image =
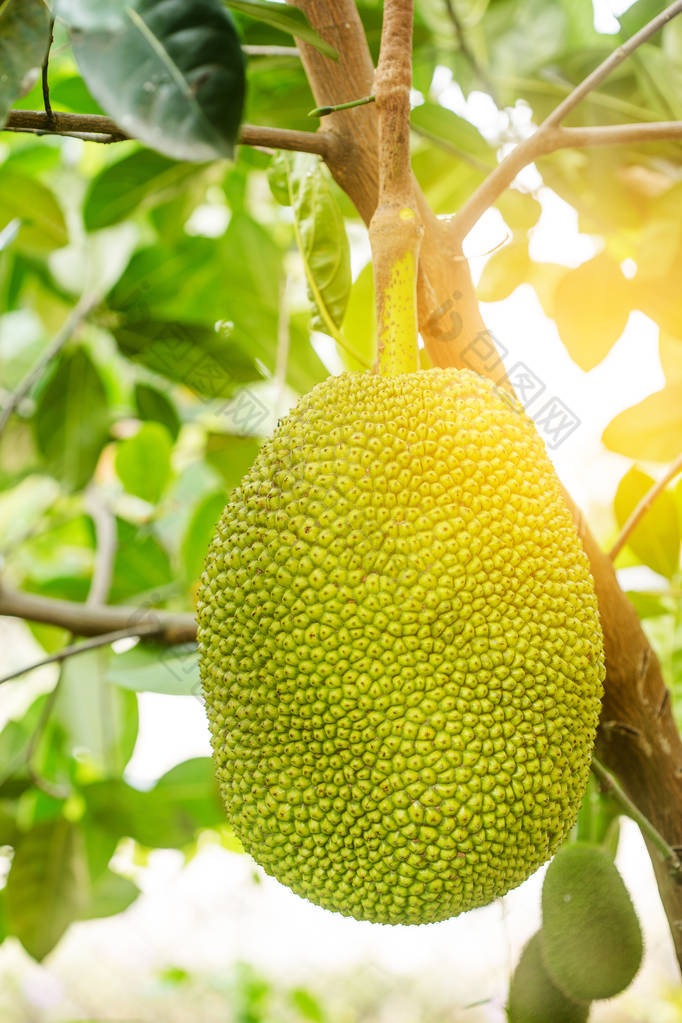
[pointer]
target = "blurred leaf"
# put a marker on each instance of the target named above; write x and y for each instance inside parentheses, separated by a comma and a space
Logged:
(143, 462)
(504, 271)
(533, 995)
(47, 885)
(152, 405)
(141, 564)
(69, 440)
(655, 540)
(307, 1005)
(170, 74)
(199, 534)
(231, 455)
(110, 894)
(458, 135)
(292, 21)
(545, 278)
(638, 14)
(301, 180)
(591, 309)
(591, 937)
(598, 819)
(24, 198)
(360, 320)
(657, 296)
(446, 183)
(520, 210)
(24, 34)
(183, 801)
(150, 668)
(139, 181)
(670, 351)
(105, 14)
(99, 720)
(646, 605)
(650, 430)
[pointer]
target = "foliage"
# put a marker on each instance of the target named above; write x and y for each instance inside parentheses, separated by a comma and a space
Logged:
(193, 347)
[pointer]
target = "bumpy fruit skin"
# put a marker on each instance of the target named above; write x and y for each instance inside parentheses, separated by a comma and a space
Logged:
(400, 649)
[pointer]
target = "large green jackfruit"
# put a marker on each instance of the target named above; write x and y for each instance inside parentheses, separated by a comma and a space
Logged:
(400, 649)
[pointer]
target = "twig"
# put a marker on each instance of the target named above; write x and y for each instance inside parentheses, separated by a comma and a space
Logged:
(106, 542)
(640, 509)
(93, 620)
(96, 128)
(534, 146)
(466, 50)
(70, 325)
(272, 51)
(73, 649)
(610, 786)
(44, 74)
(326, 111)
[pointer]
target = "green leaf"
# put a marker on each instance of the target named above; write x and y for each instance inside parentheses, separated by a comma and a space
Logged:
(598, 818)
(72, 419)
(24, 35)
(231, 455)
(360, 321)
(139, 181)
(105, 14)
(110, 894)
(591, 308)
(457, 135)
(533, 995)
(655, 540)
(183, 801)
(504, 271)
(199, 534)
(99, 720)
(301, 181)
(153, 406)
(149, 668)
(171, 74)
(23, 198)
(47, 885)
(143, 462)
(520, 210)
(591, 938)
(306, 1005)
(286, 19)
(141, 564)
(650, 430)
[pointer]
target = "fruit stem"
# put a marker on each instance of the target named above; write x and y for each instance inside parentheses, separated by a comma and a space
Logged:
(610, 786)
(396, 230)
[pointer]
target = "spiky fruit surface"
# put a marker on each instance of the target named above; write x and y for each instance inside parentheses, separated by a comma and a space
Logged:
(400, 649)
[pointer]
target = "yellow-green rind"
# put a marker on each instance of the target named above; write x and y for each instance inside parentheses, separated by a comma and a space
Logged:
(400, 649)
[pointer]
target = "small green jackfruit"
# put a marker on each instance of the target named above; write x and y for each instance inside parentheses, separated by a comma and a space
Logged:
(591, 938)
(400, 649)
(533, 995)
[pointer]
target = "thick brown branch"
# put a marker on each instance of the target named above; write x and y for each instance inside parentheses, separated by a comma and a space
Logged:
(96, 128)
(95, 619)
(528, 150)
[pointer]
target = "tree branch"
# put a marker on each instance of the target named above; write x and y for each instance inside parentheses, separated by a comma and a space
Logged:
(640, 509)
(466, 50)
(534, 146)
(96, 128)
(96, 619)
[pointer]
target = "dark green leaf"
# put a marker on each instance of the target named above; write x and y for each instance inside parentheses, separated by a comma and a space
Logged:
(139, 181)
(72, 419)
(655, 540)
(110, 894)
(591, 307)
(288, 20)
(149, 668)
(591, 938)
(47, 885)
(152, 405)
(534, 997)
(24, 34)
(199, 534)
(651, 430)
(171, 74)
(143, 462)
(141, 564)
(302, 182)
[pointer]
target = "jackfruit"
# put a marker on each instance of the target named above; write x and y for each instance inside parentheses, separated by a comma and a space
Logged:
(400, 649)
